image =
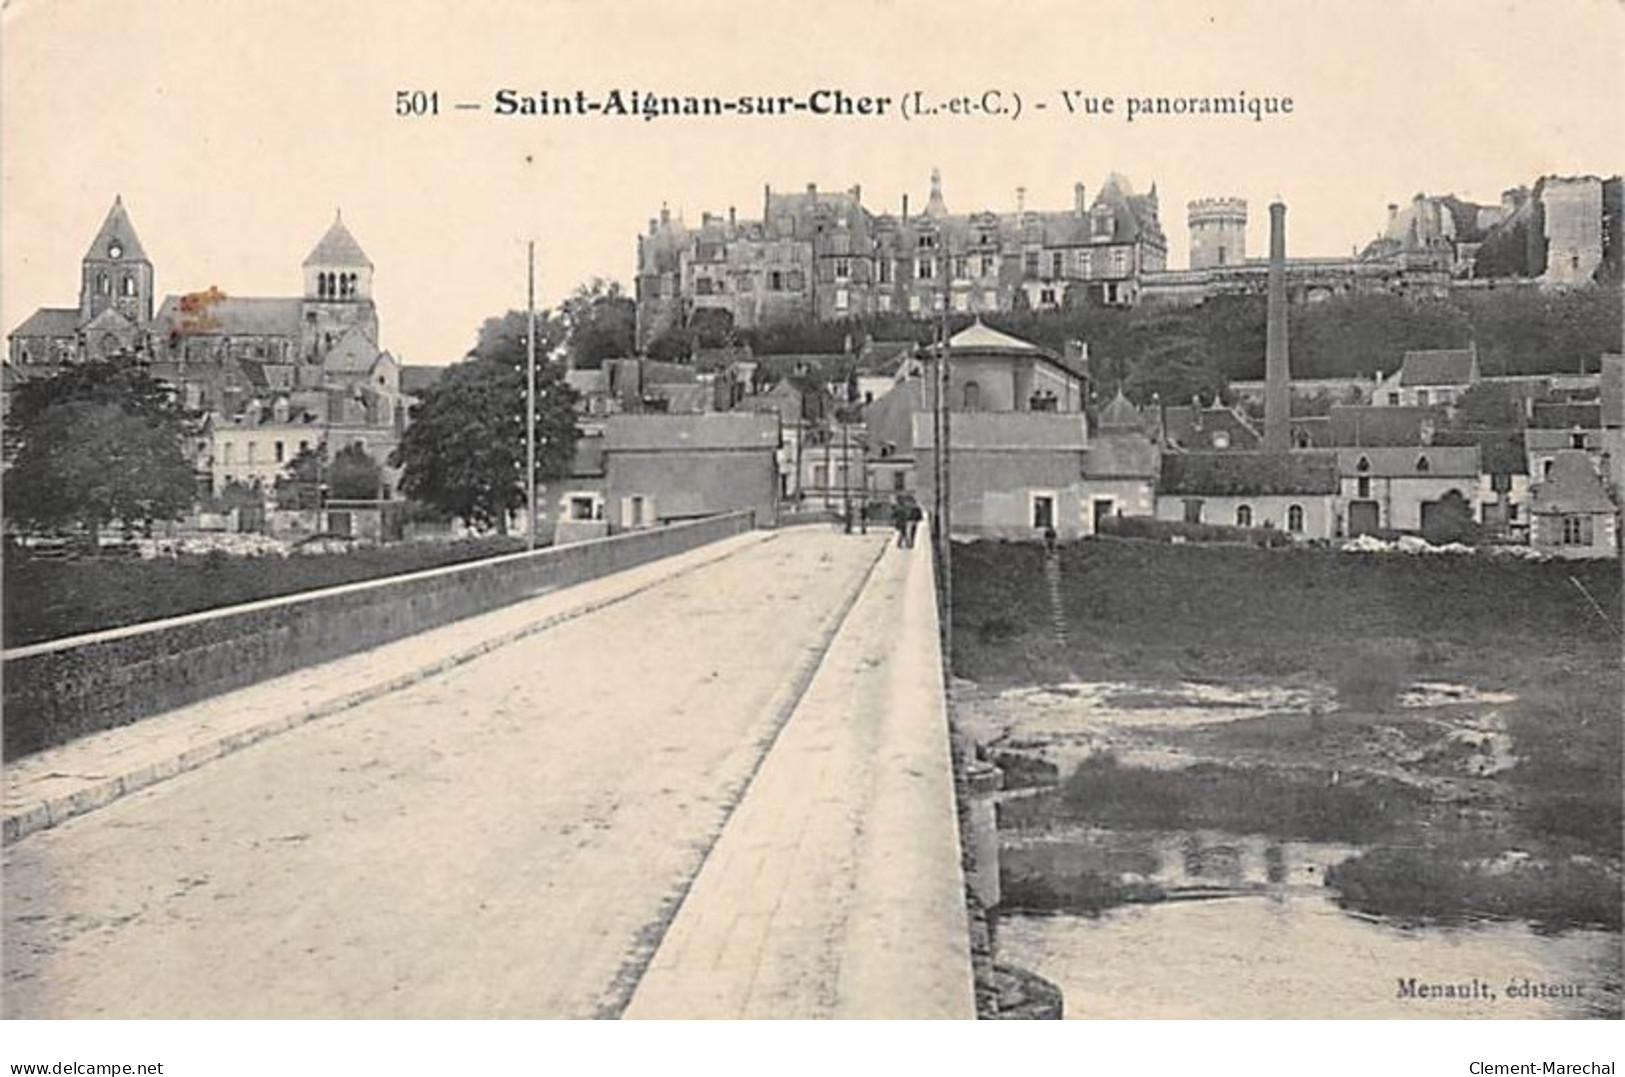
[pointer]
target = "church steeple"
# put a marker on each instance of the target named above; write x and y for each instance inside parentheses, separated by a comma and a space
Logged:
(115, 273)
(338, 269)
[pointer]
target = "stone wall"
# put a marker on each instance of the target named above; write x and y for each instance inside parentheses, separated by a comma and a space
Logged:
(61, 690)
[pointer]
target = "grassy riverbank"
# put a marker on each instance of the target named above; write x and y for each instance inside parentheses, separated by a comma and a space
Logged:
(1508, 786)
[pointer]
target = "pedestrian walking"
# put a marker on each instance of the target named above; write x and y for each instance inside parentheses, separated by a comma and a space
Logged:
(915, 515)
(899, 521)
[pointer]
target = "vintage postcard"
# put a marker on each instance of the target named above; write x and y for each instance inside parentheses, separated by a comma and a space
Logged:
(862, 510)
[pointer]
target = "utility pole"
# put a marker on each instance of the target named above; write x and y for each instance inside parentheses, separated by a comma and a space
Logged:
(530, 399)
(946, 397)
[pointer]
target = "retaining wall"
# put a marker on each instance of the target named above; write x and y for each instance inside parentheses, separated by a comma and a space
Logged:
(63, 689)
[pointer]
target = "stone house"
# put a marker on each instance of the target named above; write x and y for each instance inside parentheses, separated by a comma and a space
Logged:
(1572, 514)
(1429, 379)
(662, 468)
(1295, 492)
(1407, 488)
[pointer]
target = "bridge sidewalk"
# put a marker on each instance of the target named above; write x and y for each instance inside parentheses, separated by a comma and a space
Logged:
(43, 789)
(836, 888)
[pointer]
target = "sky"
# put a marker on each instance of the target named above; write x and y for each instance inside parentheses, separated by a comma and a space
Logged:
(235, 130)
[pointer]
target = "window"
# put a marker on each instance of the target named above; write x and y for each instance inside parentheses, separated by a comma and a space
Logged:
(1119, 261)
(985, 266)
(899, 481)
(914, 304)
(973, 396)
(225, 453)
(962, 302)
(775, 280)
(1046, 296)
(795, 280)
(1294, 518)
(1577, 440)
(1043, 511)
(1244, 516)
(1221, 439)
(1362, 487)
(1393, 400)
(1086, 264)
(883, 304)
(1029, 264)
(842, 299)
(961, 270)
(128, 285)
(926, 241)
(925, 268)
(281, 451)
(843, 268)
(1421, 398)
(102, 285)
(1576, 530)
(1546, 469)
(585, 507)
(885, 268)
(1221, 255)
(1422, 465)
(1057, 264)
(1193, 510)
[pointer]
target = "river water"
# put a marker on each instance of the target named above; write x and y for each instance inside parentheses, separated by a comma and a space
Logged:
(1265, 939)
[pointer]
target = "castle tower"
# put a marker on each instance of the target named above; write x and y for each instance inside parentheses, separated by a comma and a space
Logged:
(338, 294)
(115, 273)
(1218, 232)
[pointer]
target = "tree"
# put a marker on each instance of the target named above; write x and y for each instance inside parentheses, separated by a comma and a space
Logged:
(300, 484)
(464, 450)
(354, 475)
(88, 464)
(599, 323)
(99, 442)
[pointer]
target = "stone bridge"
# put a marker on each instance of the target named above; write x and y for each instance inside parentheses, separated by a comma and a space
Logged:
(716, 783)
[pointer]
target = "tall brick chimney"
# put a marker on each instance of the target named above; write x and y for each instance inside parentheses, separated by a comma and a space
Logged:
(1277, 369)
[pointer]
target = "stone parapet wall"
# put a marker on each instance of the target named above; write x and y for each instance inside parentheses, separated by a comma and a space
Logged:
(64, 689)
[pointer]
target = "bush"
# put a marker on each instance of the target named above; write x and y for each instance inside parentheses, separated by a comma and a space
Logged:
(1148, 527)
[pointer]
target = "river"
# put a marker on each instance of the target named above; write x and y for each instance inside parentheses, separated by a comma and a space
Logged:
(1266, 940)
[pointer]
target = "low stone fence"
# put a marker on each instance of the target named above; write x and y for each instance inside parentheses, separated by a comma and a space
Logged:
(63, 689)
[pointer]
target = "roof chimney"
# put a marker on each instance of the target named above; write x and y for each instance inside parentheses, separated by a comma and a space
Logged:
(905, 205)
(1021, 200)
(1277, 372)
(733, 216)
(1079, 204)
(857, 192)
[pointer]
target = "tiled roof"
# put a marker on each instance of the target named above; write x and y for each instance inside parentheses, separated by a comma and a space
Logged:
(691, 433)
(1359, 424)
(233, 316)
(1442, 461)
(981, 337)
(1192, 428)
(890, 420)
(1571, 486)
(1564, 415)
(1458, 366)
(1501, 452)
(584, 382)
(1120, 414)
(354, 353)
(1248, 474)
(49, 322)
(338, 248)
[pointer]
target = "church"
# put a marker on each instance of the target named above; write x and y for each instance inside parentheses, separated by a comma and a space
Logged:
(272, 374)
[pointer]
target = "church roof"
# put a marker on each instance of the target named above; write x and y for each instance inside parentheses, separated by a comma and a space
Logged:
(232, 316)
(117, 228)
(338, 248)
(49, 322)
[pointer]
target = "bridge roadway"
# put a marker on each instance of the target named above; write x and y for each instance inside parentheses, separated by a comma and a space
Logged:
(717, 785)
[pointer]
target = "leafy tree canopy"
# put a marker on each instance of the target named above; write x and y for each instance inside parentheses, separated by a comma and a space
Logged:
(464, 450)
(90, 464)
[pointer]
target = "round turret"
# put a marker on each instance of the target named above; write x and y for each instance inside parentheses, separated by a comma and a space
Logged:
(1218, 232)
